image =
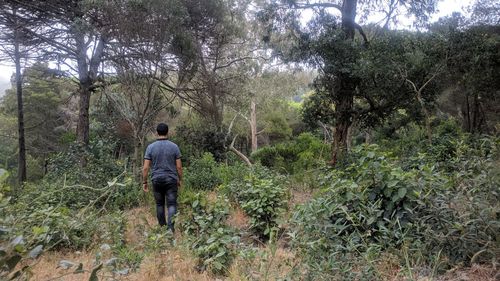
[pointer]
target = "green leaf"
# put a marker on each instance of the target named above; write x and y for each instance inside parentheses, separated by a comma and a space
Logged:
(19, 248)
(218, 265)
(402, 192)
(79, 269)
(93, 275)
(13, 261)
(371, 220)
(392, 183)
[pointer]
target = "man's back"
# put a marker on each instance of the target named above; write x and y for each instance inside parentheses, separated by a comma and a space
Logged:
(163, 154)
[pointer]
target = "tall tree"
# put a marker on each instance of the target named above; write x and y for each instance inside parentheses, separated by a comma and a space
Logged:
(218, 56)
(329, 42)
(73, 33)
(12, 38)
(43, 94)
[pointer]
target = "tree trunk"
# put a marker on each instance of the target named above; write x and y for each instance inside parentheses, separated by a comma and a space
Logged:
(466, 113)
(253, 125)
(138, 150)
(20, 111)
(341, 133)
(427, 117)
(83, 125)
(87, 76)
(135, 159)
(346, 89)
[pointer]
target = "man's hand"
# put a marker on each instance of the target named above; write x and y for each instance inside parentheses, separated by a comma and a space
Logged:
(179, 184)
(145, 187)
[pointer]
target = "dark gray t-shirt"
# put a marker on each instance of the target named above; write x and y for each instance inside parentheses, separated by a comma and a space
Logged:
(163, 154)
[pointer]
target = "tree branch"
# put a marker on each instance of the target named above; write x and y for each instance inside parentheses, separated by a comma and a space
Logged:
(316, 5)
(241, 155)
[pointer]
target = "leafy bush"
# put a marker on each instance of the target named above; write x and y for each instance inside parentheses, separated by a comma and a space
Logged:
(203, 173)
(462, 222)
(50, 213)
(263, 197)
(298, 155)
(234, 172)
(368, 206)
(101, 165)
(376, 202)
(212, 241)
(197, 139)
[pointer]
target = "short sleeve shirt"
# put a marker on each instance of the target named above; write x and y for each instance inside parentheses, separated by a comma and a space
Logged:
(163, 155)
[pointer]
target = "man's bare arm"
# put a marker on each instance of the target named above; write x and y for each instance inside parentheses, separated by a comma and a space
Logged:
(145, 171)
(178, 166)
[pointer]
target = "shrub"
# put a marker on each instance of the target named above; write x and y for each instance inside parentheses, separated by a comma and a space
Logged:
(298, 155)
(197, 139)
(372, 204)
(462, 222)
(212, 241)
(203, 173)
(101, 165)
(263, 197)
(368, 206)
(56, 214)
(234, 172)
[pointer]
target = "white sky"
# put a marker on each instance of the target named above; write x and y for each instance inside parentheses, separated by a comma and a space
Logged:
(445, 8)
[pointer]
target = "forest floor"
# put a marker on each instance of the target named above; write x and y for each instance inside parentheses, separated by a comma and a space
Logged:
(176, 263)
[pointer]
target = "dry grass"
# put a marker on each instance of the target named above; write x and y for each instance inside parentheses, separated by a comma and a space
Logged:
(138, 219)
(170, 265)
(475, 273)
(270, 264)
(46, 267)
(300, 196)
(238, 219)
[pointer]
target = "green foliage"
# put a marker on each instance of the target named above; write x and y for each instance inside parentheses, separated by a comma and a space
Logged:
(112, 229)
(101, 165)
(364, 208)
(276, 126)
(196, 139)
(44, 91)
(57, 215)
(233, 172)
(157, 240)
(212, 241)
(263, 197)
(203, 173)
(417, 204)
(294, 156)
(462, 222)
(129, 257)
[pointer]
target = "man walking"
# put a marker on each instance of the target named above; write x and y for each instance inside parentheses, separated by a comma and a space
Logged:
(164, 157)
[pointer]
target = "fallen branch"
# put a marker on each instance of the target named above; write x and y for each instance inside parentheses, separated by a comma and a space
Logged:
(237, 152)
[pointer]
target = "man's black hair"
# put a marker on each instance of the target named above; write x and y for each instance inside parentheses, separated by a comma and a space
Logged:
(162, 129)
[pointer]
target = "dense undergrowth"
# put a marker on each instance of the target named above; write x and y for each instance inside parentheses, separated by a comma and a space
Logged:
(424, 206)
(433, 208)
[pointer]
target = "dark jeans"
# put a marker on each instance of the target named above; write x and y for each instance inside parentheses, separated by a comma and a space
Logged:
(168, 191)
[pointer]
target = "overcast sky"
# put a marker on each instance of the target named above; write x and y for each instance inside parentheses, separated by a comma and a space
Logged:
(445, 8)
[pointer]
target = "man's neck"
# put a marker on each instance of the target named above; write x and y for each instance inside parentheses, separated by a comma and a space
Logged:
(161, 138)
